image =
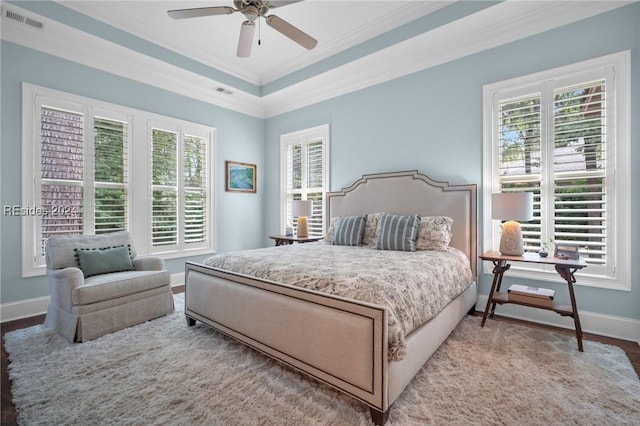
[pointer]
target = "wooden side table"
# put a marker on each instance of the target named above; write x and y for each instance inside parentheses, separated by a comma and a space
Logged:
(288, 239)
(564, 267)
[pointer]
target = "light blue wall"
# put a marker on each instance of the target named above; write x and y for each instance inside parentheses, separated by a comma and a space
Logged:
(239, 138)
(432, 121)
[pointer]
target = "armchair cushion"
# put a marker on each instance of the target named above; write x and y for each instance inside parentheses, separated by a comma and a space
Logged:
(96, 261)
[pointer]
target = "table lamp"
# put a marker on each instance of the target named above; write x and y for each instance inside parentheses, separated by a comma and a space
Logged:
(512, 207)
(301, 209)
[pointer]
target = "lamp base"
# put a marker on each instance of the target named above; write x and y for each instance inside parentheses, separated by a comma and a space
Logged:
(303, 228)
(511, 241)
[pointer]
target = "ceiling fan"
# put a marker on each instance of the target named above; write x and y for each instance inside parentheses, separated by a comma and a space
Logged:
(252, 10)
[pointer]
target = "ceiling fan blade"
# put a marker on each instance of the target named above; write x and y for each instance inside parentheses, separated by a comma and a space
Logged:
(300, 37)
(279, 3)
(246, 39)
(200, 11)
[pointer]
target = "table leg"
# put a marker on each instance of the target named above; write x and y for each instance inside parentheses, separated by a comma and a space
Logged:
(568, 276)
(499, 268)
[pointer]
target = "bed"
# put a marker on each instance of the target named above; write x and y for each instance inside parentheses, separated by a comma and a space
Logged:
(327, 324)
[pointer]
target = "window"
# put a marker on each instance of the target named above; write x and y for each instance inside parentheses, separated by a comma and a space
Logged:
(563, 135)
(80, 169)
(179, 178)
(305, 171)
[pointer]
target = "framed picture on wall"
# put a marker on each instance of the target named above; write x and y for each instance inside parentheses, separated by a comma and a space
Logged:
(240, 177)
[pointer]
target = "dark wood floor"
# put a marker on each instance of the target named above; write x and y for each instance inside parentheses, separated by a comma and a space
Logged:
(632, 349)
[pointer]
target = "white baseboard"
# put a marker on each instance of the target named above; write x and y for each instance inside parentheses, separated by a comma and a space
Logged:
(591, 322)
(38, 306)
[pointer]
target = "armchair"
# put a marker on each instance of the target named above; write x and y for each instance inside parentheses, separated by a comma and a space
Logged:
(96, 289)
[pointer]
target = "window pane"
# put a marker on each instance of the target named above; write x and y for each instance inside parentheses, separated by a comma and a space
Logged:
(195, 172)
(315, 166)
(519, 136)
(110, 210)
(195, 177)
(294, 166)
(109, 146)
(62, 144)
(315, 221)
(579, 127)
(164, 227)
(63, 205)
(194, 217)
(165, 157)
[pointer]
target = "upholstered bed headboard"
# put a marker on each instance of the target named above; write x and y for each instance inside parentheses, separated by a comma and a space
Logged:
(408, 193)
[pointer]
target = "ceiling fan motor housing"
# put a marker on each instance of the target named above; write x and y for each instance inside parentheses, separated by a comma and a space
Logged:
(252, 9)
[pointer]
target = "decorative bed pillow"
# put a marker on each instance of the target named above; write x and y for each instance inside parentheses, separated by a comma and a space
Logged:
(331, 232)
(370, 229)
(397, 232)
(434, 233)
(96, 261)
(349, 231)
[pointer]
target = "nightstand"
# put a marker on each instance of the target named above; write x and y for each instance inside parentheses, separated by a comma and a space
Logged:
(290, 239)
(564, 267)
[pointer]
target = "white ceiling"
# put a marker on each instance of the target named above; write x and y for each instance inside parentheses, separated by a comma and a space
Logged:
(337, 25)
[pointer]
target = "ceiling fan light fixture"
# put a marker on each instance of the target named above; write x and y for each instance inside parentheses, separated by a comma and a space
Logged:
(246, 39)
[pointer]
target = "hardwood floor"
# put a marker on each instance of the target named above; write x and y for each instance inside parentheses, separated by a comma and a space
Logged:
(632, 349)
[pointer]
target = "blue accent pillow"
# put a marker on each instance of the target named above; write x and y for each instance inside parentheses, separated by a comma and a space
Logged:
(96, 261)
(349, 231)
(397, 232)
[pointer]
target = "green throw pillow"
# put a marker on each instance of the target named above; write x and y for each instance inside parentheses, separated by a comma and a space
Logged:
(103, 260)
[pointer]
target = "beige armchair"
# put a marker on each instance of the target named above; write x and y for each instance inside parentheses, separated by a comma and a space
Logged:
(99, 286)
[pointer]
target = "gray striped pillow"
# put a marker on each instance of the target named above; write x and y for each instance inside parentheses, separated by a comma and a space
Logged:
(349, 231)
(397, 232)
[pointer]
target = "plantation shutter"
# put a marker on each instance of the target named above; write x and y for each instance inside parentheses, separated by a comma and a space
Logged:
(315, 185)
(305, 180)
(62, 173)
(110, 181)
(195, 184)
(579, 162)
(164, 215)
(519, 154)
(567, 150)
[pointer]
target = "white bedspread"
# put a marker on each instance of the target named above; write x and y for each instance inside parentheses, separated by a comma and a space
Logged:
(415, 286)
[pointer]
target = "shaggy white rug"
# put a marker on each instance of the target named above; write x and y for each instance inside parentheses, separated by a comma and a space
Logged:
(165, 373)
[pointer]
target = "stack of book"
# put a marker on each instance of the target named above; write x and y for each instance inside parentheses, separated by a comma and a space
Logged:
(531, 295)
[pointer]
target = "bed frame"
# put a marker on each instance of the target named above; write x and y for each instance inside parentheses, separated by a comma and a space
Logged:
(348, 349)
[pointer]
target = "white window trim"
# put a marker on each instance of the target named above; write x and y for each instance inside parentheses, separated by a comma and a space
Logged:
(139, 194)
(322, 131)
(622, 221)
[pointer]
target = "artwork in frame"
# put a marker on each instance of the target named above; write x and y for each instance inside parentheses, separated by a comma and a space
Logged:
(240, 177)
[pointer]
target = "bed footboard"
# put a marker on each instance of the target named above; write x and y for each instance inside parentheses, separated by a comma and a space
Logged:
(338, 341)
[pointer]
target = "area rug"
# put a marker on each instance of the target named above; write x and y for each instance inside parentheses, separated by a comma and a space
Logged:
(163, 372)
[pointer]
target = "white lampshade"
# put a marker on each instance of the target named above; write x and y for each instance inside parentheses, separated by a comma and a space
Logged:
(512, 207)
(301, 208)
